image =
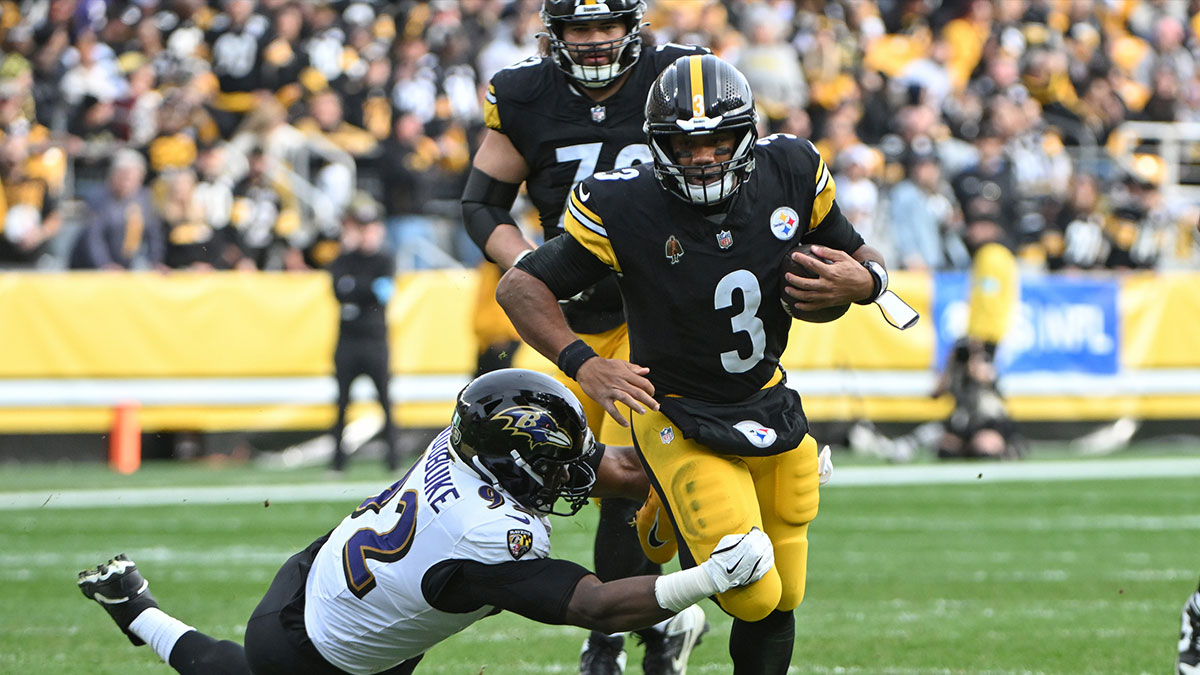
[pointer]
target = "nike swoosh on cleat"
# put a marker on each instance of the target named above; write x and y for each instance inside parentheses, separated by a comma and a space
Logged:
(652, 535)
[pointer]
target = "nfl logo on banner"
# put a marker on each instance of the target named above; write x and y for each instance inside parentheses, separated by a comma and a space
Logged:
(725, 239)
(598, 114)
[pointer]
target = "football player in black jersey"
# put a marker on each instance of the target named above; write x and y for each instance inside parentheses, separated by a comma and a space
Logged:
(697, 239)
(553, 121)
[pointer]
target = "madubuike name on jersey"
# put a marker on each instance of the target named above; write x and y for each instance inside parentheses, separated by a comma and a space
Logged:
(702, 298)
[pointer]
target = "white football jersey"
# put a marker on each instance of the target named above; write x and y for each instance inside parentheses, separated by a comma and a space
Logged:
(364, 609)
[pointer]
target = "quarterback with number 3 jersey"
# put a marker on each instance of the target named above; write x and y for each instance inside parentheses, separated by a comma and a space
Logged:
(697, 241)
(552, 121)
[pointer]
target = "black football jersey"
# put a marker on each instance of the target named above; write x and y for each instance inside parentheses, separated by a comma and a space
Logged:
(702, 299)
(565, 136)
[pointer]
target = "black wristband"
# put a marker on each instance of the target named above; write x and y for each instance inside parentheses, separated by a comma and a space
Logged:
(572, 357)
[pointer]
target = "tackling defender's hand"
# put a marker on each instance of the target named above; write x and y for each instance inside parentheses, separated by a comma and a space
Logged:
(740, 559)
(612, 381)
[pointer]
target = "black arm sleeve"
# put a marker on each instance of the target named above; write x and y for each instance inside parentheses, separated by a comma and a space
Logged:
(565, 266)
(835, 232)
(537, 589)
(486, 203)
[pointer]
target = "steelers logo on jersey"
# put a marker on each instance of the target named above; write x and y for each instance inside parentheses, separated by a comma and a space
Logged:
(784, 223)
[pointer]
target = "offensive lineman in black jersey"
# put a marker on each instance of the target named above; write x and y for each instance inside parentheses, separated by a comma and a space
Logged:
(553, 121)
(697, 240)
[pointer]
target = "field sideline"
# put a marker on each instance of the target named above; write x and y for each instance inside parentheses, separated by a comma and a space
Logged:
(1064, 566)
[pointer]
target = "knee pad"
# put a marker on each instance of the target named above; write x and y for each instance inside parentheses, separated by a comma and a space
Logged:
(756, 601)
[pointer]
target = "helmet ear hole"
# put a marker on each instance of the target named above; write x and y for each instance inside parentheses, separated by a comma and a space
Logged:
(526, 433)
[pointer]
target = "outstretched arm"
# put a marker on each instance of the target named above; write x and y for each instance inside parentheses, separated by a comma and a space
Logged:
(620, 474)
(562, 592)
(526, 294)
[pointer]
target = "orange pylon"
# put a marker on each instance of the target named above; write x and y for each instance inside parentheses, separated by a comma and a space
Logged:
(125, 440)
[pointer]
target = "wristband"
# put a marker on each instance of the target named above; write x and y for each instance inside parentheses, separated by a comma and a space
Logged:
(679, 590)
(878, 278)
(573, 356)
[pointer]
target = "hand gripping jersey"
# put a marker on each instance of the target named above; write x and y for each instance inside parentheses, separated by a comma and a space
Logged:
(365, 611)
(565, 137)
(701, 297)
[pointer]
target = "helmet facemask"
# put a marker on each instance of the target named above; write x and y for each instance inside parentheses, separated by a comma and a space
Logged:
(571, 57)
(720, 180)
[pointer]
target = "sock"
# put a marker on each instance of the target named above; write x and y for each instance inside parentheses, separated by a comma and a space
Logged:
(160, 630)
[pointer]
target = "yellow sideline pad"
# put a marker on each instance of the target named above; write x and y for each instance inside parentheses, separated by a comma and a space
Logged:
(229, 331)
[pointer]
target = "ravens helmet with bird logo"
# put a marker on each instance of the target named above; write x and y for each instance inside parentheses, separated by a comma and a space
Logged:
(528, 434)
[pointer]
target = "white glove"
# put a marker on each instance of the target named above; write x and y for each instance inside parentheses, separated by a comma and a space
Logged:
(740, 559)
(824, 466)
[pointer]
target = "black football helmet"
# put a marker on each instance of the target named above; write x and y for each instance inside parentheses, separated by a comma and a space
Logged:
(626, 49)
(528, 434)
(701, 95)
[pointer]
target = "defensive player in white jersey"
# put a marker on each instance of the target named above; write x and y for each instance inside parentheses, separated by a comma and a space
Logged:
(462, 535)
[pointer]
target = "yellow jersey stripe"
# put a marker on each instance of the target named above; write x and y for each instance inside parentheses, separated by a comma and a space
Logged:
(595, 242)
(590, 214)
(491, 113)
(697, 80)
(823, 199)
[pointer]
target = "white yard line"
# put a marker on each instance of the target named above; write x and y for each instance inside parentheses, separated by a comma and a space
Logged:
(923, 474)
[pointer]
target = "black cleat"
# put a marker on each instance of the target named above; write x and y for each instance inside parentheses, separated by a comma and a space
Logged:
(667, 652)
(120, 589)
(602, 655)
(1189, 637)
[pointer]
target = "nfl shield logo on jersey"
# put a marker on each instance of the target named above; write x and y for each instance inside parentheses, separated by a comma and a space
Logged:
(519, 543)
(666, 435)
(725, 239)
(599, 113)
(758, 435)
(784, 222)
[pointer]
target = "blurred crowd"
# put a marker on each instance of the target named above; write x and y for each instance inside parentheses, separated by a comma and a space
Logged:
(233, 134)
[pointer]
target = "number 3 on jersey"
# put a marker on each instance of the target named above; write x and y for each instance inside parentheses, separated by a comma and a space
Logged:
(745, 321)
(369, 542)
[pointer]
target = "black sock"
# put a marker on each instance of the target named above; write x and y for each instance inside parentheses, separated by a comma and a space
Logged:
(198, 654)
(763, 647)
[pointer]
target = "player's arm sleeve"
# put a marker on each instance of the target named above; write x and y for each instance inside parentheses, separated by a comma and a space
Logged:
(564, 265)
(539, 589)
(486, 203)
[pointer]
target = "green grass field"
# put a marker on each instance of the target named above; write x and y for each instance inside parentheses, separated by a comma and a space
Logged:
(986, 577)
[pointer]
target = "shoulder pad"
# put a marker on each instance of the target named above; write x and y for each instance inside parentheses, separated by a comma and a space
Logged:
(670, 52)
(524, 80)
